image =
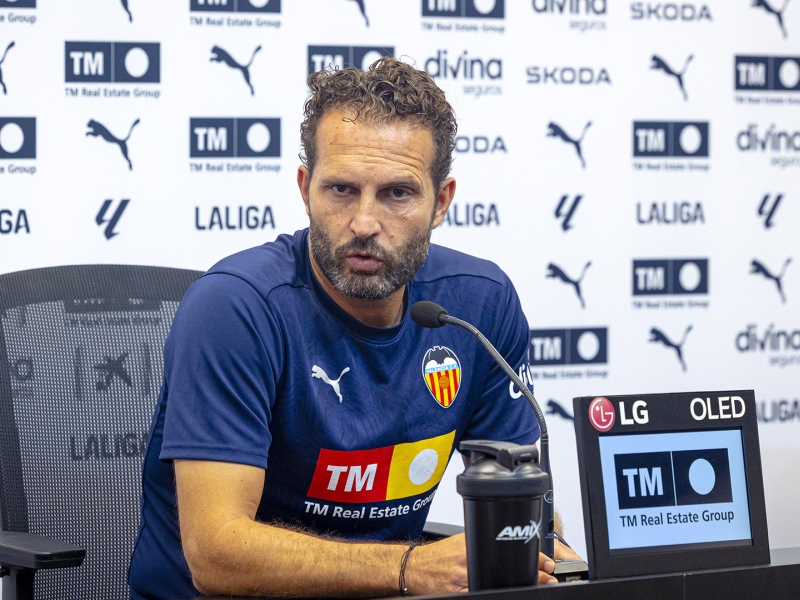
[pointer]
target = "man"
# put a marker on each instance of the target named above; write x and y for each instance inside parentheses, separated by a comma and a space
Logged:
(301, 407)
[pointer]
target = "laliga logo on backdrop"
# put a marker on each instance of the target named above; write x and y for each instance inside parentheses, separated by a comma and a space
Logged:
(339, 57)
(768, 213)
(601, 414)
(676, 139)
(778, 13)
(567, 213)
(767, 73)
(112, 222)
(134, 62)
(17, 137)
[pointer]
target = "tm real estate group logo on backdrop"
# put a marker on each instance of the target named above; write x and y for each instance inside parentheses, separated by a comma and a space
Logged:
(670, 283)
(463, 16)
(17, 146)
(248, 13)
(767, 80)
(121, 64)
(574, 353)
(25, 17)
(341, 57)
(670, 146)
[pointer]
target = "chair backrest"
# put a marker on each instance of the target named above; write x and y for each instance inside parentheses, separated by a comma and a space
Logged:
(81, 365)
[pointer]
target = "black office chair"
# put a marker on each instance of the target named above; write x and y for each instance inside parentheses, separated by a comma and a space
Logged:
(81, 363)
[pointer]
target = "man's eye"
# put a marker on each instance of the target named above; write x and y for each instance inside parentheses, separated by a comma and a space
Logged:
(399, 193)
(340, 189)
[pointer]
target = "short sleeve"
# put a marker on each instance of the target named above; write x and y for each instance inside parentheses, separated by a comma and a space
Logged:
(503, 413)
(222, 368)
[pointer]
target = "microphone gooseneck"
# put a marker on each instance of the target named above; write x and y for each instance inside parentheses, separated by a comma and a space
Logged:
(431, 315)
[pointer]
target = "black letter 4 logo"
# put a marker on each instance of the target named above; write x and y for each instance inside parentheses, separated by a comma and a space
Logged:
(562, 210)
(112, 222)
(645, 480)
(767, 213)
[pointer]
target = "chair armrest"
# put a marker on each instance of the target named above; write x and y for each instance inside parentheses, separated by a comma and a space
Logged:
(438, 531)
(19, 550)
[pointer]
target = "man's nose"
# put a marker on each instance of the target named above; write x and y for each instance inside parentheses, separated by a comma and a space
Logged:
(366, 222)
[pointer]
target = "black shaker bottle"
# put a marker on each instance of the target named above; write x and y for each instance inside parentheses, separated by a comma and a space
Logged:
(503, 488)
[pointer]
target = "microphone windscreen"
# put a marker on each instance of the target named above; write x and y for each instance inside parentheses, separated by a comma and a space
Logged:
(426, 314)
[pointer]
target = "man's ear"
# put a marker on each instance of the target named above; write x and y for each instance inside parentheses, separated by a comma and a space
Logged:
(443, 200)
(303, 181)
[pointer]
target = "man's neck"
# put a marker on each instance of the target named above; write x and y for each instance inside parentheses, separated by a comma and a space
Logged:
(387, 312)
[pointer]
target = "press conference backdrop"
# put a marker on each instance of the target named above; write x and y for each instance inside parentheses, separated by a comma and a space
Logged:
(633, 166)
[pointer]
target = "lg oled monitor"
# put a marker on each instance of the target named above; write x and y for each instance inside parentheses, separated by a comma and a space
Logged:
(670, 482)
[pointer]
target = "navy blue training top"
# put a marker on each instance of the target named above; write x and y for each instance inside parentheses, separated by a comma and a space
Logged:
(353, 424)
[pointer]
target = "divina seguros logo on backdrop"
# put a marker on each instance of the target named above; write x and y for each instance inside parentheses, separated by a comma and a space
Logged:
(582, 15)
(119, 63)
(782, 144)
(480, 76)
(582, 349)
(341, 57)
(781, 344)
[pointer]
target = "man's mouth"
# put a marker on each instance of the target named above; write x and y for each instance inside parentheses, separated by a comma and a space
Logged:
(363, 262)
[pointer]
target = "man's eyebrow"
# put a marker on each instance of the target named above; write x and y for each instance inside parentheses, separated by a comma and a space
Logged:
(406, 181)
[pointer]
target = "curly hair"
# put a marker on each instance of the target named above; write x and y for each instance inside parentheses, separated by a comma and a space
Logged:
(388, 91)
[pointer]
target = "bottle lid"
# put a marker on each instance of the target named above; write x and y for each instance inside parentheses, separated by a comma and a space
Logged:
(501, 469)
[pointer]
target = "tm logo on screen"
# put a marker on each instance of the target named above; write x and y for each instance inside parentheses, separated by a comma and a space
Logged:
(678, 478)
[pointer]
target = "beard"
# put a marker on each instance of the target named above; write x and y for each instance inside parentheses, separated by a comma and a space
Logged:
(396, 268)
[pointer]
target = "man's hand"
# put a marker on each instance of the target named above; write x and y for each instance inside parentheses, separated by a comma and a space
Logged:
(565, 552)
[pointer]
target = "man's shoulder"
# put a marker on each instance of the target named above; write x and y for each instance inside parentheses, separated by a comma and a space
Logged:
(446, 263)
(268, 266)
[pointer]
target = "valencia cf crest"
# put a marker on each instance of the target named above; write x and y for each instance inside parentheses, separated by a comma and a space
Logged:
(442, 372)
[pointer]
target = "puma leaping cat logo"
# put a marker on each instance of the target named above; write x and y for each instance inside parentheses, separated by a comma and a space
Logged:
(778, 13)
(556, 131)
(220, 55)
(554, 271)
(98, 129)
(320, 374)
(363, 10)
(125, 7)
(659, 63)
(757, 267)
(554, 408)
(11, 45)
(658, 336)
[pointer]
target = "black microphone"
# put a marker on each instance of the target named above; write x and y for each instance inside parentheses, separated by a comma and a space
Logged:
(431, 315)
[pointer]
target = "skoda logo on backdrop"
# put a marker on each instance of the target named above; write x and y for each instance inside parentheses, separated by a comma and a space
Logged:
(662, 139)
(670, 12)
(340, 57)
(240, 138)
(254, 6)
(577, 346)
(470, 9)
(112, 62)
(767, 73)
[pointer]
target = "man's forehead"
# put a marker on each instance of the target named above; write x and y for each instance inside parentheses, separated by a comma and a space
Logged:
(341, 137)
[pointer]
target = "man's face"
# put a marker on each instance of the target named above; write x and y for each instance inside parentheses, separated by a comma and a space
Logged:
(372, 204)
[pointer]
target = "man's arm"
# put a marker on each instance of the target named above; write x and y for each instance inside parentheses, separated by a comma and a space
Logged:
(228, 552)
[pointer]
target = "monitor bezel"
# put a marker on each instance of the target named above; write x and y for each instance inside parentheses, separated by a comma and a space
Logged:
(667, 413)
